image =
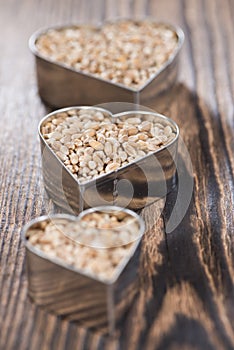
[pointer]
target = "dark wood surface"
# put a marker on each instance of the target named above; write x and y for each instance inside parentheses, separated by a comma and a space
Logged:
(186, 300)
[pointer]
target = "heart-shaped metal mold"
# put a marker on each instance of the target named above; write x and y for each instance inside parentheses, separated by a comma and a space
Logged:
(95, 296)
(61, 85)
(133, 185)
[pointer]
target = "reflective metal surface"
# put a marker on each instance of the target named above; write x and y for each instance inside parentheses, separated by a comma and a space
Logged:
(68, 292)
(61, 86)
(133, 186)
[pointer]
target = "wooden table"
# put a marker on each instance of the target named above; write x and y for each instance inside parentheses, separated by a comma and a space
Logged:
(186, 300)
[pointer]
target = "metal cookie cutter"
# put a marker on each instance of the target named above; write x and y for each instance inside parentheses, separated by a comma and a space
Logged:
(70, 292)
(134, 185)
(60, 85)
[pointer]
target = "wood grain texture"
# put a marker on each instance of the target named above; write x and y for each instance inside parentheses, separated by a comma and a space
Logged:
(186, 300)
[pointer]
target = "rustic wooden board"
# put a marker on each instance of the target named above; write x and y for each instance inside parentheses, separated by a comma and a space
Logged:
(186, 299)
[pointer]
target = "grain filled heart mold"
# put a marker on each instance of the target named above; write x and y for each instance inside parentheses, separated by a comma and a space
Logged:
(91, 157)
(72, 275)
(126, 60)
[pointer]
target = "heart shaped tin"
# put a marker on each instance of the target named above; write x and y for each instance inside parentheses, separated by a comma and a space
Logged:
(61, 85)
(64, 286)
(134, 185)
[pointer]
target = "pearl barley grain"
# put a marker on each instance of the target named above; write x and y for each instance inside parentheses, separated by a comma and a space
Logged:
(123, 52)
(95, 245)
(122, 142)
